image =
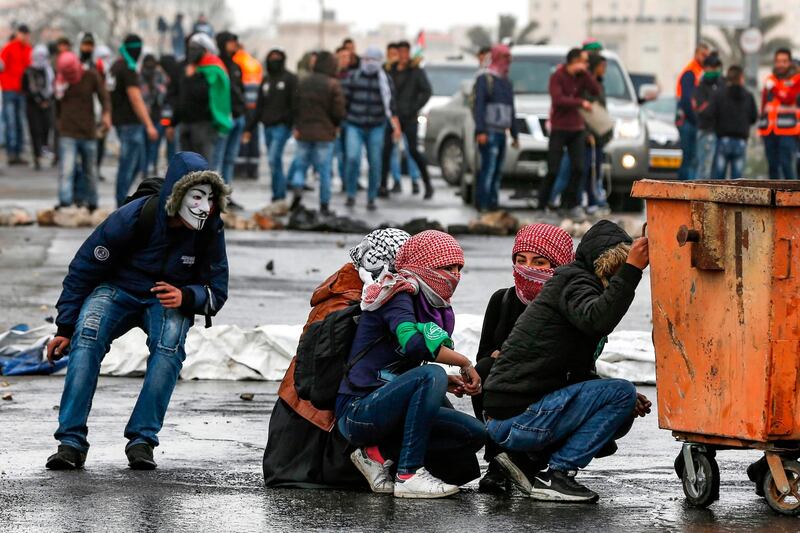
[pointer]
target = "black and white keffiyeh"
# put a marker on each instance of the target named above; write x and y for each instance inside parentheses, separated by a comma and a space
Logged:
(377, 251)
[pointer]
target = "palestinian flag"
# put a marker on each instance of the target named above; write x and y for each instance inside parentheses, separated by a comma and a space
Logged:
(219, 91)
(419, 45)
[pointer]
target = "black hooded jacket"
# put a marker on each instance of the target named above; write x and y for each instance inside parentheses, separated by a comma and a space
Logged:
(412, 90)
(277, 98)
(733, 111)
(554, 342)
(320, 102)
(234, 73)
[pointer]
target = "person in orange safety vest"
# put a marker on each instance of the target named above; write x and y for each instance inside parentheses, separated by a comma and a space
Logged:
(685, 118)
(779, 124)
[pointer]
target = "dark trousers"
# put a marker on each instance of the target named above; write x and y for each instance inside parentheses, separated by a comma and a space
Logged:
(38, 127)
(198, 137)
(574, 142)
(409, 128)
(483, 367)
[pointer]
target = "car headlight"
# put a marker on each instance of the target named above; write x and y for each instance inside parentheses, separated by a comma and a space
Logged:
(628, 128)
(422, 120)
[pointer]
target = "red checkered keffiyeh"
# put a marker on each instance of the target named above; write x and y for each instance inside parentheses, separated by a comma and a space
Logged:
(419, 262)
(544, 240)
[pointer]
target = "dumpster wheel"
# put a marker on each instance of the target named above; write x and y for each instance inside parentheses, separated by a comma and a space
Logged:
(704, 490)
(784, 503)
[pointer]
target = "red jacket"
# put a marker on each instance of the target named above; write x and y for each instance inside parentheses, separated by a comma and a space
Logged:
(16, 57)
(566, 94)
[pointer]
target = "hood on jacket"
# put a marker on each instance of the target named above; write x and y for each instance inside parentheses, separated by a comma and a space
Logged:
(276, 66)
(603, 249)
(187, 169)
(223, 38)
(326, 64)
(344, 282)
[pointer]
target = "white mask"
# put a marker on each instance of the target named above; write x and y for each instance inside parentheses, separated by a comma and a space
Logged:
(196, 206)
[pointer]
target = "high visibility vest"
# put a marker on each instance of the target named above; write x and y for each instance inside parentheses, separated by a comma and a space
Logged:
(252, 73)
(780, 114)
(695, 68)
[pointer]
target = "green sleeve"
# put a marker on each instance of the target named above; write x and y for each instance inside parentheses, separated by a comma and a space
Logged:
(434, 336)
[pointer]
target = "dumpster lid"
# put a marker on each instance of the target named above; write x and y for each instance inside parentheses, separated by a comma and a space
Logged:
(744, 192)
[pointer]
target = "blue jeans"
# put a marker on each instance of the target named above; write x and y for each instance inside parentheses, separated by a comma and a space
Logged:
(688, 136)
(276, 137)
(227, 149)
(395, 166)
(152, 148)
(69, 174)
(706, 150)
(781, 152)
(580, 419)
(491, 172)
(355, 138)
(320, 155)
(13, 109)
(108, 313)
(731, 153)
(131, 153)
(411, 406)
(593, 177)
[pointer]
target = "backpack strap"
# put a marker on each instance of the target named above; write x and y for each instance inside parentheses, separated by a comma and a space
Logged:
(348, 366)
(145, 223)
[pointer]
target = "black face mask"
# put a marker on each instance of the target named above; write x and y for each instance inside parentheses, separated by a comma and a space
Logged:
(195, 53)
(86, 56)
(274, 66)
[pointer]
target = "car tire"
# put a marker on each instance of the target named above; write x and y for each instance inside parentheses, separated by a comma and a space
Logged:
(452, 160)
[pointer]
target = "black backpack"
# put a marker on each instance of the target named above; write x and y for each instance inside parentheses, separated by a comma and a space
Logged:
(321, 362)
(151, 189)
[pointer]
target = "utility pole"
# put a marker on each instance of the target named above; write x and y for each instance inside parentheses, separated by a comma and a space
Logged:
(752, 60)
(321, 24)
(698, 23)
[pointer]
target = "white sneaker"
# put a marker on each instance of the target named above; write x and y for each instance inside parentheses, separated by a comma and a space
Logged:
(423, 485)
(377, 475)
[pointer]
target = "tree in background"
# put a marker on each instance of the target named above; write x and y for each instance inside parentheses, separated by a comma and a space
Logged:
(480, 36)
(730, 50)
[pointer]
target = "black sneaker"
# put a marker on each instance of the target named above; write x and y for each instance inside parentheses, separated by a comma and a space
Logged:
(557, 486)
(414, 188)
(67, 458)
(297, 199)
(756, 473)
(324, 209)
(397, 188)
(351, 202)
(140, 457)
(428, 192)
(515, 472)
(494, 481)
(371, 205)
(383, 192)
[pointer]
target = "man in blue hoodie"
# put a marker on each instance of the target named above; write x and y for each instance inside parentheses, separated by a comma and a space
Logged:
(123, 277)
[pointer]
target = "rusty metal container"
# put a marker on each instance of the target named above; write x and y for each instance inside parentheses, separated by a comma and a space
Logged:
(725, 279)
(725, 275)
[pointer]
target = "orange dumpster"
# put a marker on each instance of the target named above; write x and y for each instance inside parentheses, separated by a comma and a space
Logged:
(725, 276)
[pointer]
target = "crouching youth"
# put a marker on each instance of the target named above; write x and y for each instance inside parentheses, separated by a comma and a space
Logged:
(543, 398)
(155, 263)
(388, 394)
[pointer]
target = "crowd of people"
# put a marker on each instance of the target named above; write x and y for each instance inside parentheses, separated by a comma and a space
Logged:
(200, 99)
(716, 112)
(362, 403)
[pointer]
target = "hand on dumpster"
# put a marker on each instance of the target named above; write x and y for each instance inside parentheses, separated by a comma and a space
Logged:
(169, 296)
(639, 256)
(455, 385)
(643, 405)
(57, 348)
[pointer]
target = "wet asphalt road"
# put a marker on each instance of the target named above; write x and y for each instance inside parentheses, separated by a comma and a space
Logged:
(209, 478)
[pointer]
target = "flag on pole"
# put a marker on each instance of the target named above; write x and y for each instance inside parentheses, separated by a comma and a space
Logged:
(419, 45)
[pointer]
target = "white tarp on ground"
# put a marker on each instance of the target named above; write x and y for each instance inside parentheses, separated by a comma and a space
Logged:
(263, 353)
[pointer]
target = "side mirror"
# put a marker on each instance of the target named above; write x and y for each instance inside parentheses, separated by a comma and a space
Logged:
(648, 92)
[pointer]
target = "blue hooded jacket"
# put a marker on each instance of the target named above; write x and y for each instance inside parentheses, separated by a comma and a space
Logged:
(171, 254)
